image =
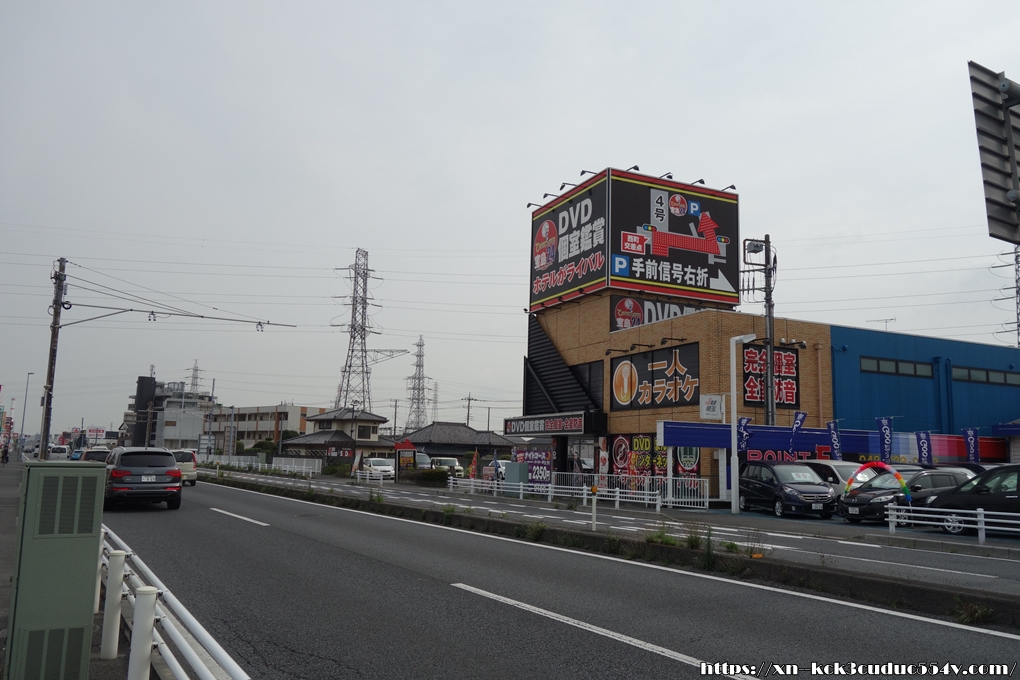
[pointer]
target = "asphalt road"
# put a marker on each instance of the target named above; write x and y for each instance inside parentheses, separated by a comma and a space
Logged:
(297, 590)
(808, 541)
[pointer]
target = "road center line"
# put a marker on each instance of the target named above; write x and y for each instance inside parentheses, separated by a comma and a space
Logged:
(612, 635)
(246, 519)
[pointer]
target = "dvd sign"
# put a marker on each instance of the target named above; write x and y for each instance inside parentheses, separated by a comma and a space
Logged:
(568, 243)
(628, 311)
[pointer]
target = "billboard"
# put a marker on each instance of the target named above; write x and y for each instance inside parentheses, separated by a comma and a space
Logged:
(785, 374)
(661, 378)
(673, 239)
(631, 311)
(637, 233)
(568, 243)
(994, 97)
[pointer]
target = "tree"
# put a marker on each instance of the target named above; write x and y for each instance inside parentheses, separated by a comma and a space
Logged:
(264, 446)
(289, 434)
(239, 447)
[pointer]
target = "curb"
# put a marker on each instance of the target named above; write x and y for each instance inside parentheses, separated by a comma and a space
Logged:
(957, 603)
(944, 546)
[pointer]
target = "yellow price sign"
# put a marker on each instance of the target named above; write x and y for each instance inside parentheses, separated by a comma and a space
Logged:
(594, 489)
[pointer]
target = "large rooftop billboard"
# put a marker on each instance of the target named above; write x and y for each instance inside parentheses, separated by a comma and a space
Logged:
(634, 232)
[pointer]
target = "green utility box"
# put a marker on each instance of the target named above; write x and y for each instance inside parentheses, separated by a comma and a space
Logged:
(516, 473)
(60, 515)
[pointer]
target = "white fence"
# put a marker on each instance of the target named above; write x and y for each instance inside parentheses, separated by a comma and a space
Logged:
(227, 460)
(953, 521)
(685, 493)
(312, 465)
(127, 577)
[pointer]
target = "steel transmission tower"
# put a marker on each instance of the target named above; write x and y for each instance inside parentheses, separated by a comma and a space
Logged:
(194, 377)
(354, 389)
(416, 418)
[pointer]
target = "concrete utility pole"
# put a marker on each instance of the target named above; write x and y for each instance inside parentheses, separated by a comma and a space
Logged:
(435, 401)
(770, 335)
(469, 399)
(59, 282)
(395, 402)
(24, 408)
(148, 426)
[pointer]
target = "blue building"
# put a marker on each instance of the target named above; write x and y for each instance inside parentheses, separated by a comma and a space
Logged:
(926, 383)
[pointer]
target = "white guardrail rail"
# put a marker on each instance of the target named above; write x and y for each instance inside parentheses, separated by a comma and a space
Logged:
(127, 577)
(953, 521)
(687, 492)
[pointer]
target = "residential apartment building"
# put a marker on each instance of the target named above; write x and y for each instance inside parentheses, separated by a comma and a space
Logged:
(257, 423)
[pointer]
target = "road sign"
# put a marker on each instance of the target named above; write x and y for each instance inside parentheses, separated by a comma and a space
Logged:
(998, 131)
(594, 490)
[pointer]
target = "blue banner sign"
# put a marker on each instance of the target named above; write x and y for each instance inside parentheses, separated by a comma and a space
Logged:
(924, 455)
(837, 452)
(742, 434)
(798, 422)
(885, 439)
(970, 439)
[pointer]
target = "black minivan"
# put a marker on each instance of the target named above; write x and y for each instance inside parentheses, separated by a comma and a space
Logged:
(785, 488)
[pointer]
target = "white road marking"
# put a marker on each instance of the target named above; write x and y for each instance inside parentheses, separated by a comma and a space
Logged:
(534, 516)
(515, 505)
(624, 528)
(575, 521)
(246, 519)
(656, 567)
(591, 628)
(866, 545)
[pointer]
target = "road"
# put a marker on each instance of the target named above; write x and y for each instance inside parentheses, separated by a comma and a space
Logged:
(831, 543)
(297, 590)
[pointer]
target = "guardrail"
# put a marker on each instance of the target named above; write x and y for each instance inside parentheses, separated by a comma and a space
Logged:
(686, 492)
(313, 465)
(226, 460)
(953, 521)
(362, 476)
(261, 467)
(128, 577)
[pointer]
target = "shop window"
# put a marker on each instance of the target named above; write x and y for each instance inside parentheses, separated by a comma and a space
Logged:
(977, 375)
(923, 370)
(997, 377)
(960, 373)
(1013, 378)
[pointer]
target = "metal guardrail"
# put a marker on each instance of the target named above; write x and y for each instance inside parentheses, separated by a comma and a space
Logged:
(152, 602)
(362, 476)
(686, 492)
(953, 521)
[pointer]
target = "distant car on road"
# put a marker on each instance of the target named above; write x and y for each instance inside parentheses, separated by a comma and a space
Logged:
(96, 455)
(59, 451)
(785, 488)
(449, 464)
(187, 462)
(76, 454)
(379, 466)
(869, 501)
(142, 475)
(422, 461)
(995, 490)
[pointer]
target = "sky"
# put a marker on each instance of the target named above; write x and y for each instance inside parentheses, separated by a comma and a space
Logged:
(229, 158)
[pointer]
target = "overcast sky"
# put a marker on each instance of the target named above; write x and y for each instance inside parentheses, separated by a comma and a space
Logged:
(233, 155)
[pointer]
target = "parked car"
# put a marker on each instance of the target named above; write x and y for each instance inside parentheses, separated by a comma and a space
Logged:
(422, 461)
(995, 490)
(785, 487)
(976, 468)
(76, 454)
(449, 464)
(187, 463)
(869, 501)
(142, 475)
(96, 455)
(836, 472)
(378, 466)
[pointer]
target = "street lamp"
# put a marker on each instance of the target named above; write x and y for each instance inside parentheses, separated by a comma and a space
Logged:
(24, 407)
(734, 461)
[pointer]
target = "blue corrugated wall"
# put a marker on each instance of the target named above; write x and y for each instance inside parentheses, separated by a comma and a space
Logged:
(939, 404)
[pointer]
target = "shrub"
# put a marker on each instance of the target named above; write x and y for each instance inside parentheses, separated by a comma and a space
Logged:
(341, 470)
(535, 531)
(660, 536)
(426, 477)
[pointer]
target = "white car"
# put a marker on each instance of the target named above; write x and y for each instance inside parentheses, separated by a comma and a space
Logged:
(381, 466)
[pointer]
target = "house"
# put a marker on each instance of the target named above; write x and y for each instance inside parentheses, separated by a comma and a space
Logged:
(459, 440)
(341, 433)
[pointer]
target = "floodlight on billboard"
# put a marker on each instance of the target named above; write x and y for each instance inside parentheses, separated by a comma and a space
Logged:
(998, 130)
(634, 232)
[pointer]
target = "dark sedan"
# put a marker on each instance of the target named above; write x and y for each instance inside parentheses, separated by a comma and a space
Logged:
(993, 491)
(142, 475)
(785, 488)
(869, 500)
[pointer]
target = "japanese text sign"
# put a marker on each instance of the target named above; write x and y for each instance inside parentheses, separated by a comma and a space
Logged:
(785, 374)
(661, 378)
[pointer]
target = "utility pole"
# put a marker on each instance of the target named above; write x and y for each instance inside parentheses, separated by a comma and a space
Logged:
(59, 280)
(148, 426)
(469, 399)
(24, 408)
(435, 402)
(770, 335)
(395, 402)
(488, 418)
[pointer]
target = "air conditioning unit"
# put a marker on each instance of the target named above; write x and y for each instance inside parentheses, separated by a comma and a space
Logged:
(59, 520)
